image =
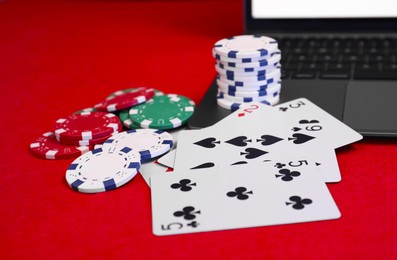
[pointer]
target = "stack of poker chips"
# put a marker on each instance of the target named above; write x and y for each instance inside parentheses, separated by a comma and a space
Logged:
(249, 70)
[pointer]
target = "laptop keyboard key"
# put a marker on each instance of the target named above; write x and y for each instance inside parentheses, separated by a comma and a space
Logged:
(375, 75)
(304, 75)
(335, 75)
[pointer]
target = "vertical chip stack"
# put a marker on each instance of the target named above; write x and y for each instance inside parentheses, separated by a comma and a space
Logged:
(248, 69)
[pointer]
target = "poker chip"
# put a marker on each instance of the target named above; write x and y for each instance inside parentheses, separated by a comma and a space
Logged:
(126, 100)
(233, 106)
(245, 46)
(87, 126)
(244, 60)
(234, 73)
(95, 141)
(250, 84)
(246, 78)
(162, 112)
(246, 99)
(47, 147)
(263, 86)
(248, 69)
(150, 143)
(88, 109)
(271, 61)
(123, 91)
(103, 169)
(257, 93)
(126, 120)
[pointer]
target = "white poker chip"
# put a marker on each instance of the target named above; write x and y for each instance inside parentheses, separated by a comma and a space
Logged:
(246, 78)
(246, 46)
(263, 86)
(150, 143)
(103, 169)
(263, 64)
(233, 106)
(250, 84)
(243, 70)
(225, 59)
(228, 72)
(243, 93)
(247, 99)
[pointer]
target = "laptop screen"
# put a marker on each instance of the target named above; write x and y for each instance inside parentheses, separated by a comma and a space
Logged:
(282, 9)
(269, 16)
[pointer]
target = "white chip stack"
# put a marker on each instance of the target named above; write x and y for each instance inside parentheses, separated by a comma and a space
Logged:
(249, 70)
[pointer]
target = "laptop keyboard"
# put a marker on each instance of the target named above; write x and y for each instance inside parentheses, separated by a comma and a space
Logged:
(338, 58)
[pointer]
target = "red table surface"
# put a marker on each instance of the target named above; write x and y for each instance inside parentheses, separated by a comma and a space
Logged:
(57, 57)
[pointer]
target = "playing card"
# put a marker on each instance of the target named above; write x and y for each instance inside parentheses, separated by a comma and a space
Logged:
(168, 159)
(239, 197)
(152, 167)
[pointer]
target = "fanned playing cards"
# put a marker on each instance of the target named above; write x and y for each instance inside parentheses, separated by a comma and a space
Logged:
(259, 166)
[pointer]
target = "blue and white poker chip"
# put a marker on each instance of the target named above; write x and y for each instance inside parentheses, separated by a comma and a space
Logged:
(149, 143)
(247, 78)
(233, 73)
(260, 87)
(224, 59)
(103, 169)
(246, 99)
(245, 46)
(268, 62)
(243, 70)
(256, 93)
(249, 84)
(233, 106)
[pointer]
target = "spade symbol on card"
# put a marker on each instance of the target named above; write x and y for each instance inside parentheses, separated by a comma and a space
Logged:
(204, 165)
(296, 129)
(252, 153)
(209, 142)
(240, 193)
(239, 141)
(297, 202)
(300, 138)
(268, 139)
(187, 213)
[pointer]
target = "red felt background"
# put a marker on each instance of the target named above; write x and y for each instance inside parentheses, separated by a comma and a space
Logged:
(57, 57)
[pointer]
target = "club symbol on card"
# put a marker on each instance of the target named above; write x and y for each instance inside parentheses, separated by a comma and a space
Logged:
(279, 165)
(297, 202)
(193, 224)
(239, 141)
(187, 213)
(183, 185)
(300, 138)
(268, 139)
(240, 193)
(252, 153)
(287, 175)
(204, 165)
(209, 142)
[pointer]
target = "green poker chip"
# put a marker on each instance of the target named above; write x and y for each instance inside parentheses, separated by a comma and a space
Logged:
(126, 120)
(161, 112)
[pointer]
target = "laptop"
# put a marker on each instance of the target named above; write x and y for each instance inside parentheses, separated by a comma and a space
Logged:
(341, 55)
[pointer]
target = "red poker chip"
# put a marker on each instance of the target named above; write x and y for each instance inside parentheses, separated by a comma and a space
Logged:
(126, 100)
(95, 141)
(47, 147)
(87, 126)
